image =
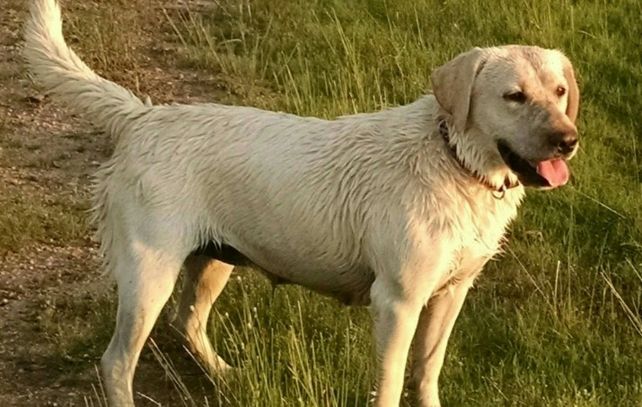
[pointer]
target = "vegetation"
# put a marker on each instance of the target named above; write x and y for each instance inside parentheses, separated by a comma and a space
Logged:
(555, 321)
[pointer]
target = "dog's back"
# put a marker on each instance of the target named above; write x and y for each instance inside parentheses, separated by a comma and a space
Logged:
(227, 175)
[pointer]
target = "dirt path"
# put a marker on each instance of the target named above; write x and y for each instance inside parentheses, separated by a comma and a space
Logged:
(36, 166)
(46, 158)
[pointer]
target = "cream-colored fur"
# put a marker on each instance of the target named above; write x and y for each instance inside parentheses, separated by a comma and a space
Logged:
(370, 208)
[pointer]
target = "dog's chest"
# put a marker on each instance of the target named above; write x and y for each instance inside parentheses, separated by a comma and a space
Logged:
(477, 231)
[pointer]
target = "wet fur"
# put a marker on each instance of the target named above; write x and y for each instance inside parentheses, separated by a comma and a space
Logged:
(369, 208)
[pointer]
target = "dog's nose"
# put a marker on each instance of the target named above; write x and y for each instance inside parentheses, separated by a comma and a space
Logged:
(564, 142)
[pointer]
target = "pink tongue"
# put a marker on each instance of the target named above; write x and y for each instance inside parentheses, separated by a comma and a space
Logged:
(555, 171)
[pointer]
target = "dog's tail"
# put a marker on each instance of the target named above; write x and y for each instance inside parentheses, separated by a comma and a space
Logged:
(64, 74)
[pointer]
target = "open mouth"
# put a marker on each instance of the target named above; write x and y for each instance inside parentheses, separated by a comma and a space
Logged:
(550, 173)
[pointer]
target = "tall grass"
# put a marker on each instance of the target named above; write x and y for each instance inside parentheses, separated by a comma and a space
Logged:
(556, 320)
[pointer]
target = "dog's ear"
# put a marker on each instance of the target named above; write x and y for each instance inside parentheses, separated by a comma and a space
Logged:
(452, 85)
(573, 97)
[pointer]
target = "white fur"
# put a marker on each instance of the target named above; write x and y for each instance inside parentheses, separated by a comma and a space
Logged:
(370, 208)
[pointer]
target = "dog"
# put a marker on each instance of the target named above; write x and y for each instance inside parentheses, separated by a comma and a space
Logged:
(398, 209)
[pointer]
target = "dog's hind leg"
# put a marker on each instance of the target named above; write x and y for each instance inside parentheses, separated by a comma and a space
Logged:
(205, 278)
(146, 278)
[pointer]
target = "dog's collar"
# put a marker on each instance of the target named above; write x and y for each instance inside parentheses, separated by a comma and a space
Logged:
(498, 192)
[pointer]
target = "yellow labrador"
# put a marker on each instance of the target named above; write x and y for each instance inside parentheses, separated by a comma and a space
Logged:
(398, 209)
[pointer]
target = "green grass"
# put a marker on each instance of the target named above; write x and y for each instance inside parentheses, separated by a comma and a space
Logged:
(556, 321)
(25, 220)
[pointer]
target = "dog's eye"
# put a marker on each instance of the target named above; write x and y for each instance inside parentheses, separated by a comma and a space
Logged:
(560, 91)
(519, 97)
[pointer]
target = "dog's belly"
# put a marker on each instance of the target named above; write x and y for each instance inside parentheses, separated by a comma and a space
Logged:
(225, 253)
(352, 287)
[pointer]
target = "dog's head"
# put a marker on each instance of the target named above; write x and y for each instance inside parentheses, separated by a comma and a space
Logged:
(520, 102)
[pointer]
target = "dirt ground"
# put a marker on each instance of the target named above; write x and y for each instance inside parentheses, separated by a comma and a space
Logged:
(47, 156)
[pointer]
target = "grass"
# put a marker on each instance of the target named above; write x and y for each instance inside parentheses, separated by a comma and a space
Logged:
(556, 321)
(25, 220)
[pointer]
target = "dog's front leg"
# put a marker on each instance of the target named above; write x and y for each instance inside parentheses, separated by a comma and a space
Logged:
(395, 320)
(398, 296)
(435, 325)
